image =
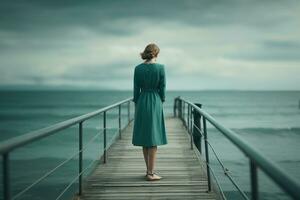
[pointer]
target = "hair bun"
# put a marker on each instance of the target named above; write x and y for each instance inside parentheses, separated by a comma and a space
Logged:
(150, 51)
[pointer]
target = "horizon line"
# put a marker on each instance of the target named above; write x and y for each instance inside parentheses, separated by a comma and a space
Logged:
(130, 90)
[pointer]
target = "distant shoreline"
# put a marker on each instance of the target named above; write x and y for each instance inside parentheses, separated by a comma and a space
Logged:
(59, 88)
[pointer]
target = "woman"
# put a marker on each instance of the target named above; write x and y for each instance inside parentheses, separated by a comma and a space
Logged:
(148, 97)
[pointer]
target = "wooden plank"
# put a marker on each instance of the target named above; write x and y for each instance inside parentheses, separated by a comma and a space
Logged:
(123, 176)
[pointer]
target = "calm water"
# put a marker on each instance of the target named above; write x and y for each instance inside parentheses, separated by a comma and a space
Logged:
(269, 120)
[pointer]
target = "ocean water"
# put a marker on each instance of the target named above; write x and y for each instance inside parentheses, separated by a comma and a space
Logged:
(268, 120)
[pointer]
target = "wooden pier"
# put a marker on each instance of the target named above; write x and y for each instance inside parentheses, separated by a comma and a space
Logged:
(123, 175)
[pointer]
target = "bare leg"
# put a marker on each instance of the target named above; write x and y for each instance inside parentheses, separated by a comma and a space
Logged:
(152, 156)
(151, 163)
(146, 157)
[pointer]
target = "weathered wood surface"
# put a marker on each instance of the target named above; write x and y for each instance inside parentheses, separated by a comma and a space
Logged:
(123, 176)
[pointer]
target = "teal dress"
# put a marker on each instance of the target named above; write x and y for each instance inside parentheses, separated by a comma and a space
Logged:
(148, 97)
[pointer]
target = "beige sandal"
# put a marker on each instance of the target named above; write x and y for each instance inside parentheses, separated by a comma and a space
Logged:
(153, 179)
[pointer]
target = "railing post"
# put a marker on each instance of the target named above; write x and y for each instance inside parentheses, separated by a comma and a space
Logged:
(80, 160)
(180, 108)
(183, 113)
(191, 121)
(104, 136)
(6, 177)
(197, 123)
(188, 118)
(120, 125)
(174, 107)
(128, 112)
(189, 125)
(254, 181)
(206, 154)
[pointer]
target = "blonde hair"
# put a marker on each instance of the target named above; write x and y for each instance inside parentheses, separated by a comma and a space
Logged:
(150, 52)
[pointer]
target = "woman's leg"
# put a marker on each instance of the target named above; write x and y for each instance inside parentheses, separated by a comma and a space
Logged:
(146, 157)
(151, 163)
(152, 156)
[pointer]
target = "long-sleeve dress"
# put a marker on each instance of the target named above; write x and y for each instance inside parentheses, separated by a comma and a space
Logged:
(148, 97)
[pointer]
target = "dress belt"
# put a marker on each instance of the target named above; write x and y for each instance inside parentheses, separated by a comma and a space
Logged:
(149, 90)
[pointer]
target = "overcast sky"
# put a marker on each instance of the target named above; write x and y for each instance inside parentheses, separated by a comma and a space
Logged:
(233, 44)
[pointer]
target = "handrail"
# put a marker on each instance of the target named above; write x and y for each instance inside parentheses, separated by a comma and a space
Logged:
(21, 140)
(51, 171)
(6, 147)
(257, 159)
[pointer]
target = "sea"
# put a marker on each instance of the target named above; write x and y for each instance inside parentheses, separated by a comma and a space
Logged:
(268, 120)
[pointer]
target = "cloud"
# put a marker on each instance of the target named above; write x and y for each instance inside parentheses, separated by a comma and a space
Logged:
(214, 43)
(271, 51)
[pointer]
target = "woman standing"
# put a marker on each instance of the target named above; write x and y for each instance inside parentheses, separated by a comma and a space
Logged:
(149, 95)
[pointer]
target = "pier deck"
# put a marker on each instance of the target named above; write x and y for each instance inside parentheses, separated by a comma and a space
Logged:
(123, 176)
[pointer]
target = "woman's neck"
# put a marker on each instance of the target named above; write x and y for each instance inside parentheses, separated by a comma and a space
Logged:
(153, 60)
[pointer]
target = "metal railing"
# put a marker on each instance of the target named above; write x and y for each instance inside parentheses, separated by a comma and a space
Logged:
(6, 147)
(197, 131)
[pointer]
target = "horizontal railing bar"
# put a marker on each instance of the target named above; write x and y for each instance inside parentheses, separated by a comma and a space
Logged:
(236, 186)
(285, 181)
(91, 140)
(76, 177)
(112, 140)
(10, 144)
(57, 167)
(218, 184)
(226, 172)
(115, 135)
(200, 131)
(45, 176)
(218, 159)
(54, 169)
